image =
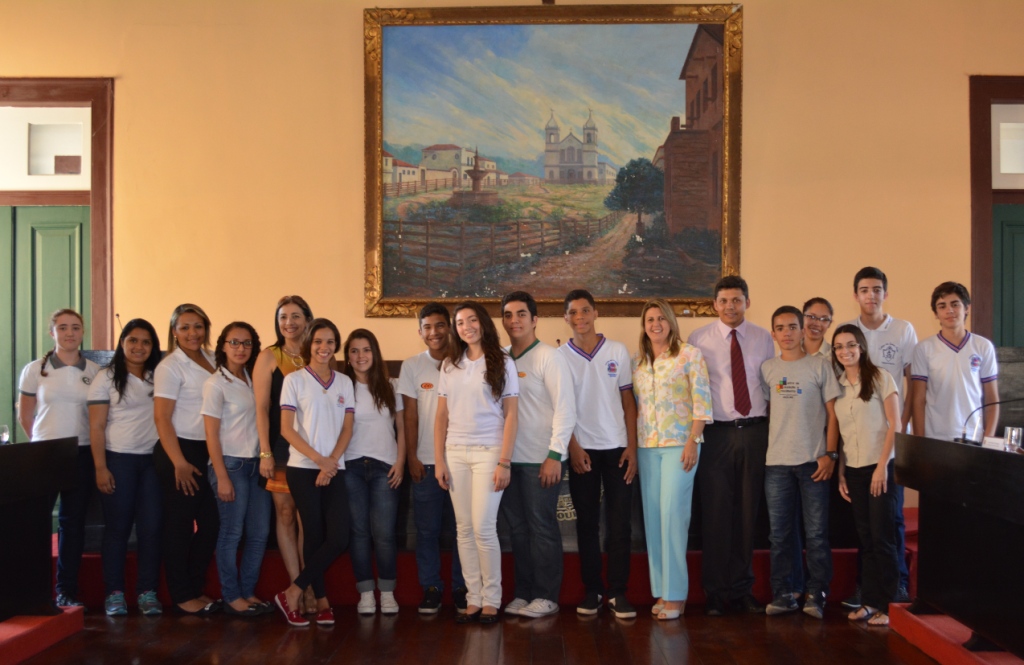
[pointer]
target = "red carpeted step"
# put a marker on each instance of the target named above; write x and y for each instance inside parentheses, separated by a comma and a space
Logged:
(942, 637)
(342, 585)
(23, 637)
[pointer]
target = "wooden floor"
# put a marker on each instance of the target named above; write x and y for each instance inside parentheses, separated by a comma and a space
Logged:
(411, 639)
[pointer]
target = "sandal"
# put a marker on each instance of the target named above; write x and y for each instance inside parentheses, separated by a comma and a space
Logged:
(309, 603)
(862, 613)
(880, 619)
(657, 607)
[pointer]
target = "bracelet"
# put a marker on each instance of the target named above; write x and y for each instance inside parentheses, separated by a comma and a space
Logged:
(266, 455)
(505, 465)
(505, 459)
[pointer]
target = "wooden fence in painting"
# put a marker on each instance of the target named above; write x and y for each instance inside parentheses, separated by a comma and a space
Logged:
(417, 186)
(451, 255)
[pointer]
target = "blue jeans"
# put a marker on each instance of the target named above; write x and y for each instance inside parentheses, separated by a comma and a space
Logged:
(74, 504)
(532, 515)
(249, 512)
(781, 486)
(374, 510)
(136, 500)
(431, 506)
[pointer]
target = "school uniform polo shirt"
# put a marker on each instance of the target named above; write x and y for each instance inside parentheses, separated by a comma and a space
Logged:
(954, 375)
(320, 410)
(231, 400)
(61, 395)
(181, 379)
(418, 379)
(598, 379)
(130, 425)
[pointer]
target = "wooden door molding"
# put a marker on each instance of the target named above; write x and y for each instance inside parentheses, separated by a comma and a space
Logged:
(98, 94)
(985, 91)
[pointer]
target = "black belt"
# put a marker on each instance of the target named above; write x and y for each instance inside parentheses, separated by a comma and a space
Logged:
(739, 422)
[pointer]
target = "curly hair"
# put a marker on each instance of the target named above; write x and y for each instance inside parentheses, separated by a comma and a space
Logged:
(495, 356)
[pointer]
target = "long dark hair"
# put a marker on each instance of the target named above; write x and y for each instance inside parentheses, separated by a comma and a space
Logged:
(222, 357)
(118, 366)
(869, 373)
(378, 380)
(290, 300)
(307, 340)
(493, 353)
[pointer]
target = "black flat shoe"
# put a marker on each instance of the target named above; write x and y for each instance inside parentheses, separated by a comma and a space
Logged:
(468, 618)
(251, 611)
(489, 618)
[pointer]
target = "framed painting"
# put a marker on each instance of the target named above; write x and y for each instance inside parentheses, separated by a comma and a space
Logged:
(551, 148)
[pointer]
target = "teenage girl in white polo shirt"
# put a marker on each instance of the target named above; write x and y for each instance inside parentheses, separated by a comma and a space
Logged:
(123, 438)
(229, 413)
(52, 406)
(374, 462)
(317, 412)
(181, 460)
(474, 436)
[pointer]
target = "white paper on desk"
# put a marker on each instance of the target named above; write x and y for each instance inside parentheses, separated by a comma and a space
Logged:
(995, 443)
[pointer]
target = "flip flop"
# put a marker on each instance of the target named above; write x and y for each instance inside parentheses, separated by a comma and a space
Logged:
(880, 619)
(862, 613)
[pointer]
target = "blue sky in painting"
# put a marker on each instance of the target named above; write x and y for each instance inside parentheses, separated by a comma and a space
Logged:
(495, 86)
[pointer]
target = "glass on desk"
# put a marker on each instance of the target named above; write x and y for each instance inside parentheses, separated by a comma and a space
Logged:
(1012, 439)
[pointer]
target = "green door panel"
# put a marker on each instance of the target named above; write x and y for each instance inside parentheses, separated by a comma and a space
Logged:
(1008, 274)
(51, 271)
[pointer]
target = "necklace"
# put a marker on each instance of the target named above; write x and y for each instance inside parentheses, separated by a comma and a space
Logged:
(296, 358)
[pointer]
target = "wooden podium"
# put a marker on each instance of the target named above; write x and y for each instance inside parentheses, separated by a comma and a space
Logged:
(971, 538)
(31, 475)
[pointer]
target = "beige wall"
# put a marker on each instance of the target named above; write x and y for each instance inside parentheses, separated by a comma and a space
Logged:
(238, 135)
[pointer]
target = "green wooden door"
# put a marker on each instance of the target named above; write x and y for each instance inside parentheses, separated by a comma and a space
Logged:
(50, 254)
(1008, 274)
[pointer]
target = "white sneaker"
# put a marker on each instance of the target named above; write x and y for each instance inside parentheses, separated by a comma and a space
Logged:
(388, 604)
(540, 607)
(367, 603)
(516, 606)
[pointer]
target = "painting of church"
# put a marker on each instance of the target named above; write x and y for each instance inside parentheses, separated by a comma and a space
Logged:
(572, 160)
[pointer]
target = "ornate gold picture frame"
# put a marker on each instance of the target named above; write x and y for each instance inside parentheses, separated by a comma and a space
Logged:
(551, 148)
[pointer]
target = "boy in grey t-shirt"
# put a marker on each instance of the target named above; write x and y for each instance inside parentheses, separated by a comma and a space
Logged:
(802, 451)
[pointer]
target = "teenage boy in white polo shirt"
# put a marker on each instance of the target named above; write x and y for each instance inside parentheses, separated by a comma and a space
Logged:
(955, 372)
(891, 345)
(417, 383)
(547, 415)
(602, 452)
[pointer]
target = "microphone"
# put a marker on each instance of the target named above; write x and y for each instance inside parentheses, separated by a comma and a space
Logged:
(963, 435)
(118, 317)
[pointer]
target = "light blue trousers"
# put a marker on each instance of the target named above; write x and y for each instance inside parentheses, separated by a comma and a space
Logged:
(667, 492)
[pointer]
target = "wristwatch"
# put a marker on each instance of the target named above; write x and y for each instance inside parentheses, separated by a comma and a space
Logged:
(699, 439)
(832, 455)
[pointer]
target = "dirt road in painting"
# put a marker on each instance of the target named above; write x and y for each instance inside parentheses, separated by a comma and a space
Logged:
(597, 267)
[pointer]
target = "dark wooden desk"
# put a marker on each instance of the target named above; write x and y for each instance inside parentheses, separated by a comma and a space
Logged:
(971, 539)
(31, 474)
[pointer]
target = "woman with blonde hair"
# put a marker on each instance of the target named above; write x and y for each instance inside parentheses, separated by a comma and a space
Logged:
(191, 522)
(52, 405)
(670, 380)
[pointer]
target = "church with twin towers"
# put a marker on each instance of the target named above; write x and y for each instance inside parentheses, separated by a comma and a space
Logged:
(574, 160)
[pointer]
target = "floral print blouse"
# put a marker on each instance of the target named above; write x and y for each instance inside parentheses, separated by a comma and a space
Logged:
(670, 396)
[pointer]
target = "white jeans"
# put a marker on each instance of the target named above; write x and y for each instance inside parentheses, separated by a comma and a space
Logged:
(476, 520)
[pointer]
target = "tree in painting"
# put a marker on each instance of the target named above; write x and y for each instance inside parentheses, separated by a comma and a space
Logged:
(640, 188)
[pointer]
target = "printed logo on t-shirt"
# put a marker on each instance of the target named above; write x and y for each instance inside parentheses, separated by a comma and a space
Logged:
(889, 351)
(522, 375)
(975, 363)
(613, 368)
(427, 386)
(341, 400)
(787, 389)
(86, 380)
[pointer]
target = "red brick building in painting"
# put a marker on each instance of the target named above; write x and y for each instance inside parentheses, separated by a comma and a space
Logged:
(691, 156)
